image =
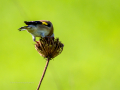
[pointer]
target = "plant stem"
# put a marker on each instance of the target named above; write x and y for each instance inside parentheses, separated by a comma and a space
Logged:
(43, 73)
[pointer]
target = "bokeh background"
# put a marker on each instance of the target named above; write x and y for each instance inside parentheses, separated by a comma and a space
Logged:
(90, 31)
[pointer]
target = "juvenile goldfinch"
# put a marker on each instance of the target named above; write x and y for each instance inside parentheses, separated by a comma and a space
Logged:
(42, 28)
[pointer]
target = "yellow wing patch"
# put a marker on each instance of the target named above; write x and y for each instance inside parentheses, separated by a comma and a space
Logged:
(44, 23)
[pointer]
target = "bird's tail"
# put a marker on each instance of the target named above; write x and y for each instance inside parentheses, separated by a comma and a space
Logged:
(23, 28)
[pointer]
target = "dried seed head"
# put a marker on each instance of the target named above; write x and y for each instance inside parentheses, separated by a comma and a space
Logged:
(49, 47)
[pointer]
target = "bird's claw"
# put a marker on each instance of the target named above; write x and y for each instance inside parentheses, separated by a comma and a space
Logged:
(37, 42)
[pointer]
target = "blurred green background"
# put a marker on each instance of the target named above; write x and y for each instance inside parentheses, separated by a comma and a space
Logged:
(90, 31)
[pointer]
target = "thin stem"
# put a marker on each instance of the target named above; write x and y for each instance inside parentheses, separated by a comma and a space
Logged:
(43, 74)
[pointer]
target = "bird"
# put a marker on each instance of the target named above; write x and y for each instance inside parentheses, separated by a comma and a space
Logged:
(40, 28)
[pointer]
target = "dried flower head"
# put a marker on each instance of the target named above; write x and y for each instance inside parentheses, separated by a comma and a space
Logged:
(49, 47)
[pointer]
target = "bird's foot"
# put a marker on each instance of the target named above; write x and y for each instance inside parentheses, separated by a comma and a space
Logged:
(37, 42)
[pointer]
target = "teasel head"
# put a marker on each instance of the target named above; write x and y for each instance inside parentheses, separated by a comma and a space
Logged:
(49, 47)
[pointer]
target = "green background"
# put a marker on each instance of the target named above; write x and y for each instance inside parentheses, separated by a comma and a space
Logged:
(90, 31)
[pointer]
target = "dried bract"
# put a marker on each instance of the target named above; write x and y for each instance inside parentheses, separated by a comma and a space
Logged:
(49, 47)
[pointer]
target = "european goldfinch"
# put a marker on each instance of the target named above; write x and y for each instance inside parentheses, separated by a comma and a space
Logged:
(42, 28)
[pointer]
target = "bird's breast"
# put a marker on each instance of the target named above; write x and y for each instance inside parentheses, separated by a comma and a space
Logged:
(38, 33)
